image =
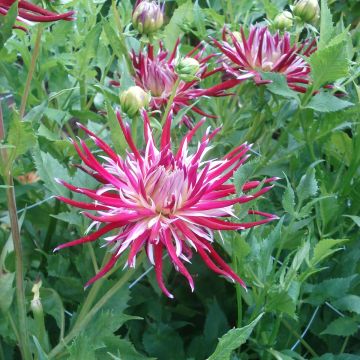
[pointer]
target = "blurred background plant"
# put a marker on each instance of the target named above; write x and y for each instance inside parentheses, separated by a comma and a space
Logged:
(302, 273)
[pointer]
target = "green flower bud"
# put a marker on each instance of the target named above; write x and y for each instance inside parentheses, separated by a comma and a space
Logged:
(284, 20)
(186, 68)
(307, 10)
(147, 17)
(133, 99)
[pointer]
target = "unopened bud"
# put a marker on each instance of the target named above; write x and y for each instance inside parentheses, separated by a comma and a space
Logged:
(147, 17)
(307, 10)
(133, 99)
(186, 68)
(36, 305)
(284, 20)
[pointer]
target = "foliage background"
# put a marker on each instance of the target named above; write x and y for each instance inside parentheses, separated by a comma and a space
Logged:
(303, 272)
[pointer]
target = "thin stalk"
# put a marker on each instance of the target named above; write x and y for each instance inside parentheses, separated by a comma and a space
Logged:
(15, 231)
(344, 344)
(170, 102)
(298, 336)
(79, 325)
(31, 70)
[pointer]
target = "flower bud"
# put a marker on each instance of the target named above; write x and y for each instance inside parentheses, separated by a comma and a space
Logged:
(284, 20)
(307, 10)
(147, 17)
(133, 99)
(186, 68)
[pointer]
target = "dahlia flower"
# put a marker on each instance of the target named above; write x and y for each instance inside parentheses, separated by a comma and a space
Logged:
(246, 58)
(162, 201)
(33, 13)
(156, 74)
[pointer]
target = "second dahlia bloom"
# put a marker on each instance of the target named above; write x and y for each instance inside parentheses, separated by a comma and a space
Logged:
(162, 200)
(33, 13)
(246, 57)
(156, 74)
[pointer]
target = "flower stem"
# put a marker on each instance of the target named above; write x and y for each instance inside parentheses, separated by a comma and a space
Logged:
(170, 102)
(81, 323)
(31, 70)
(15, 232)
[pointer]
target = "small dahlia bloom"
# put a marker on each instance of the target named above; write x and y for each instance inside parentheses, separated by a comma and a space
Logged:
(163, 200)
(246, 57)
(156, 74)
(33, 13)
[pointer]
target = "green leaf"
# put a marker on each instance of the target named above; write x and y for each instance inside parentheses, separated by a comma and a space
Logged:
(325, 102)
(82, 348)
(278, 85)
(280, 302)
(232, 340)
(184, 13)
(326, 25)
(70, 218)
(308, 185)
(324, 248)
(7, 22)
(243, 174)
(49, 169)
(124, 350)
(354, 218)
(6, 291)
(53, 305)
(343, 326)
(116, 133)
(288, 200)
(21, 137)
(329, 64)
(348, 303)
(41, 355)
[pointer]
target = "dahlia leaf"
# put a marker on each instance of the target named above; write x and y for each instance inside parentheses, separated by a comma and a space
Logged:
(6, 290)
(327, 290)
(344, 326)
(329, 64)
(288, 200)
(324, 248)
(41, 355)
(243, 174)
(280, 302)
(278, 85)
(183, 14)
(48, 168)
(123, 349)
(354, 218)
(82, 348)
(325, 102)
(308, 186)
(326, 25)
(6, 24)
(53, 305)
(117, 136)
(21, 137)
(349, 303)
(232, 340)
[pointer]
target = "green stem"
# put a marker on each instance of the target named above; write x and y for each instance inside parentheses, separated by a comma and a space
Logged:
(298, 336)
(51, 228)
(15, 231)
(344, 344)
(80, 324)
(170, 102)
(31, 70)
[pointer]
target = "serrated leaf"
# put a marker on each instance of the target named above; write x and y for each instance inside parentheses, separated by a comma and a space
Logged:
(21, 137)
(242, 175)
(82, 348)
(329, 64)
(307, 186)
(125, 350)
(116, 133)
(324, 248)
(279, 85)
(232, 340)
(48, 168)
(330, 289)
(70, 218)
(53, 305)
(288, 200)
(325, 102)
(355, 219)
(326, 25)
(6, 291)
(280, 302)
(348, 303)
(7, 22)
(343, 326)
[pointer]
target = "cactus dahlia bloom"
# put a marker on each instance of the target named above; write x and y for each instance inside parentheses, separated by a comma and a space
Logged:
(155, 73)
(33, 13)
(162, 200)
(261, 51)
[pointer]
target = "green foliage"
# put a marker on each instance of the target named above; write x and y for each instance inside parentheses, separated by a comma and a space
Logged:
(6, 24)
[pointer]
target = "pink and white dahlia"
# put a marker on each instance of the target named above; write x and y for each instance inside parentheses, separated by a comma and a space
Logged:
(247, 57)
(28, 12)
(163, 201)
(155, 73)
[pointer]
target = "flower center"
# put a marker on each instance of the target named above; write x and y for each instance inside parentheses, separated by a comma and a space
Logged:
(159, 79)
